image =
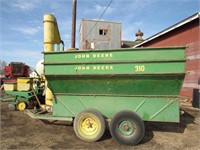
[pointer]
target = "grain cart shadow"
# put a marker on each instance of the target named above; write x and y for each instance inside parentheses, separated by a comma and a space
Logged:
(58, 123)
(185, 119)
(106, 135)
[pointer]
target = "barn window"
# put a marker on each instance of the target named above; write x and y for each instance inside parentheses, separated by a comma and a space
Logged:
(103, 31)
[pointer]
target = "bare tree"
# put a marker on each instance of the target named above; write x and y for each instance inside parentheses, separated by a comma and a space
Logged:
(2, 66)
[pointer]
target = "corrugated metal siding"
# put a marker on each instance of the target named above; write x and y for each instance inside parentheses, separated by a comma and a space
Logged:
(193, 69)
(89, 33)
(187, 34)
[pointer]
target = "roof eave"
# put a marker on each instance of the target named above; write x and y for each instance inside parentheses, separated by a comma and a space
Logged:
(177, 25)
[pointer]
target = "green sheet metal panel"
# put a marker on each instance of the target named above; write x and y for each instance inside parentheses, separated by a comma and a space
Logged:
(141, 80)
(124, 71)
(132, 85)
(141, 55)
(116, 68)
(123, 61)
(164, 109)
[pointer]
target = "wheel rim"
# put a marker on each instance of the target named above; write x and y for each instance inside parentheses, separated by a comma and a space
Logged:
(21, 106)
(89, 126)
(127, 128)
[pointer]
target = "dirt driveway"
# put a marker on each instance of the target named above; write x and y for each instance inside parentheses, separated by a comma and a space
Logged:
(19, 131)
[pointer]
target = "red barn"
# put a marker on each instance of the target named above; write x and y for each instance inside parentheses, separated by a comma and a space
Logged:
(184, 33)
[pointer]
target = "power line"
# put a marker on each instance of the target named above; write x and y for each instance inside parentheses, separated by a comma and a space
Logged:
(98, 20)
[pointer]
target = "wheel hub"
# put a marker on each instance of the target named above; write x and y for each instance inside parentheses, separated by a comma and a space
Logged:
(89, 126)
(127, 128)
(21, 106)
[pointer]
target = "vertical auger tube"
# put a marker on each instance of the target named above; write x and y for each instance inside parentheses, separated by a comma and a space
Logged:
(49, 22)
(51, 37)
(51, 33)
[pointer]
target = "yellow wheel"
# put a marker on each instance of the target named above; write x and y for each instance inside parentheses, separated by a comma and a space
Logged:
(89, 125)
(21, 106)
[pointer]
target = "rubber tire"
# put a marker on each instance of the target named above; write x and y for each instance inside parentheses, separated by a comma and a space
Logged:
(17, 106)
(126, 115)
(95, 115)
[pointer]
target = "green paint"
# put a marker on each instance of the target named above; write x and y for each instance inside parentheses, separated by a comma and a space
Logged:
(131, 85)
(142, 54)
(127, 128)
(153, 109)
(142, 80)
(117, 68)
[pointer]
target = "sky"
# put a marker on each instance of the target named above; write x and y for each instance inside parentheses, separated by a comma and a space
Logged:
(21, 21)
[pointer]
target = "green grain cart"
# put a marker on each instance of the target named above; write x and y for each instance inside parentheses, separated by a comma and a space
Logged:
(120, 88)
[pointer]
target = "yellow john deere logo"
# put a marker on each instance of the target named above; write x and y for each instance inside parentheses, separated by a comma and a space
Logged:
(98, 55)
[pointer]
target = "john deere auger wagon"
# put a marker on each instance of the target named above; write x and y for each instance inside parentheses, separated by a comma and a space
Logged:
(120, 88)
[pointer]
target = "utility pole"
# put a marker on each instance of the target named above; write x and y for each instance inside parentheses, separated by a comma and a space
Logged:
(73, 38)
